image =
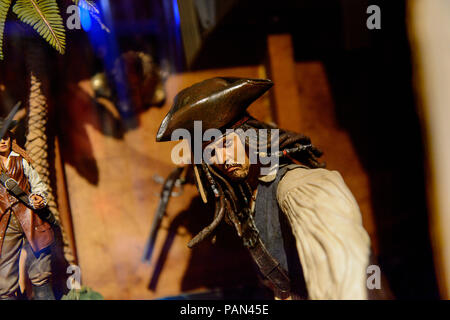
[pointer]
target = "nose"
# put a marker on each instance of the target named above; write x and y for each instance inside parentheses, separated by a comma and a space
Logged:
(230, 154)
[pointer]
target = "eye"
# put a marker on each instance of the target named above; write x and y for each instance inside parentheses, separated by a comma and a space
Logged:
(211, 151)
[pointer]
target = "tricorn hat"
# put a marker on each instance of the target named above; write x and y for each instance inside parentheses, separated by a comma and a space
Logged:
(8, 123)
(216, 102)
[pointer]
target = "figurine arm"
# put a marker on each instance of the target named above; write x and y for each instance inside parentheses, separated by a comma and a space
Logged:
(332, 244)
(38, 187)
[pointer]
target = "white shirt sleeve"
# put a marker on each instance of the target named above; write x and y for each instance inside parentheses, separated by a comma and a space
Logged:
(332, 244)
(37, 185)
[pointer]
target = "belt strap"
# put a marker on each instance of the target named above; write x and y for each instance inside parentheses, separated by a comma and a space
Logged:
(270, 268)
(13, 187)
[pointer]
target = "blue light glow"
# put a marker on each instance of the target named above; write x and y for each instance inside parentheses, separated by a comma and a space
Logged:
(176, 13)
(85, 17)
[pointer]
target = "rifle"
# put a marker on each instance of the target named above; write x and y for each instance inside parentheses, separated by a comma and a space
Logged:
(13, 187)
(166, 192)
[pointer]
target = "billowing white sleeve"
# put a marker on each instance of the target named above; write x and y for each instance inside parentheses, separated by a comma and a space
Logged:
(37, 185)
(332, 244)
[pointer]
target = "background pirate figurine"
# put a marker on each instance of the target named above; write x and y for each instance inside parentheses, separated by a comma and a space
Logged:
(300, 223)
(22, 196)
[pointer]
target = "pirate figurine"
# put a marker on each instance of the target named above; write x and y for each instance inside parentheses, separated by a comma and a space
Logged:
(300, 222)
(22, 196)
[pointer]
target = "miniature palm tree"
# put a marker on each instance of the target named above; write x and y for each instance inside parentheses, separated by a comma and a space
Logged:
(45, 18)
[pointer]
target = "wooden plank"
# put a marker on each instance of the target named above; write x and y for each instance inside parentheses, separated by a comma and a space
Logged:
(303, 103)
(63, 201)
(281, 71)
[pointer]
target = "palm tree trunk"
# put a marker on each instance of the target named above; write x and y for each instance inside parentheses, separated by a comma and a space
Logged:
(37, 140)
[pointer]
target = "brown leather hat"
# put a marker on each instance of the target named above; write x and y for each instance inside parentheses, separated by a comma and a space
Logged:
(216, 102)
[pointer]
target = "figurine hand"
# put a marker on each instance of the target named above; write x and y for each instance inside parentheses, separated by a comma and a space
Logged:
(37, 201)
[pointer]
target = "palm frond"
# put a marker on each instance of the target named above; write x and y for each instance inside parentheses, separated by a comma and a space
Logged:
(44, 17)
(4, 8)
(91, 7)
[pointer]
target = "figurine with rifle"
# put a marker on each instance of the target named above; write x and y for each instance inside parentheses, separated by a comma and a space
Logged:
(25, 221)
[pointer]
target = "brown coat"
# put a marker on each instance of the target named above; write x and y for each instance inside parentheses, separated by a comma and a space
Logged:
(38, 232)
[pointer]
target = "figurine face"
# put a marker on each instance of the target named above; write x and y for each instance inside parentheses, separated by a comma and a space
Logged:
(228, 155)
(5, 144)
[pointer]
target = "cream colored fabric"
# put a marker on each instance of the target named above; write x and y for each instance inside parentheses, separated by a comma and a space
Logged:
(36, 184)
(332, 244)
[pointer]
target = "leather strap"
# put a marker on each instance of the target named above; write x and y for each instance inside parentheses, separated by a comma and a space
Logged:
(270, 268)
(13, 187)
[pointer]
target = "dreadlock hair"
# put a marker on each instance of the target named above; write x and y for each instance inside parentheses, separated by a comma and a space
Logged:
(16, 148)
(308, 155)
(232, 199)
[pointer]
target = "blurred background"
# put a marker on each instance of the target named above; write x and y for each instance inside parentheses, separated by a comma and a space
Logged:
(375, 100)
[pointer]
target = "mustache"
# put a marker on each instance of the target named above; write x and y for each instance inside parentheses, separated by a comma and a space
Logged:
(231, 165)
